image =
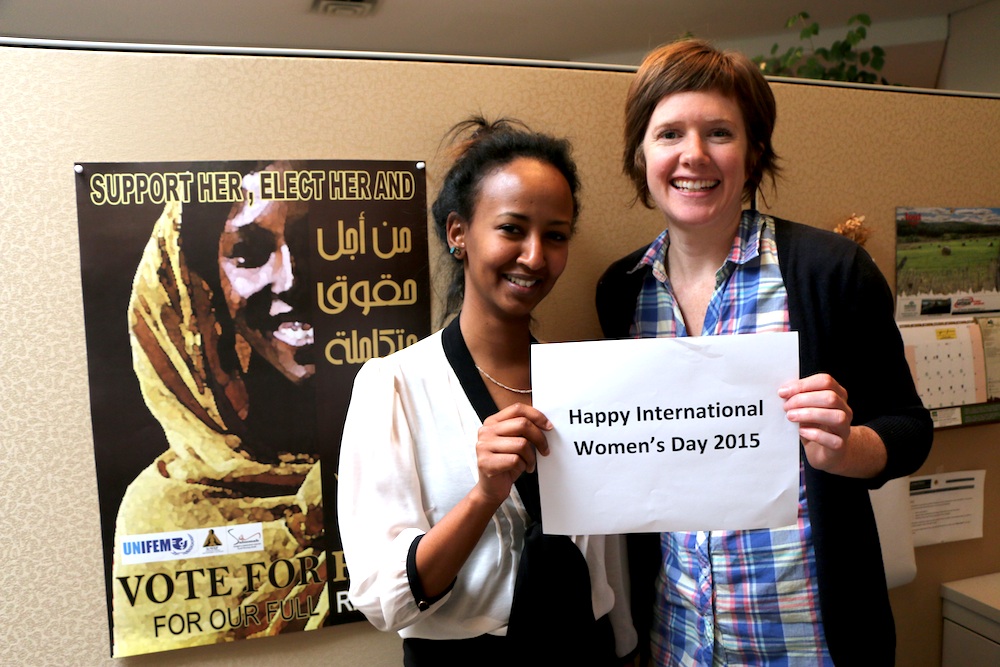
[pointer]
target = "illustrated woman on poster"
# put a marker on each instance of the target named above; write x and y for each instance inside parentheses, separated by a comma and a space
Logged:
(222, 349)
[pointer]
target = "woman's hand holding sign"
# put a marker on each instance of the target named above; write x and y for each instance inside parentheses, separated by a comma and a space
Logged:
(818, 404)
(507, 446)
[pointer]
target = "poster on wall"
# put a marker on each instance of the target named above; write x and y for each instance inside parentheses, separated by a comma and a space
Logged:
(228, 306)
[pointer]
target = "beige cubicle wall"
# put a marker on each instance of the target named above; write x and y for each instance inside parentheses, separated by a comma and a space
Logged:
(846, 151)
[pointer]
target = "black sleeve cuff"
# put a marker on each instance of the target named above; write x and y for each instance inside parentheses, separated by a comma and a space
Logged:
(416, 587)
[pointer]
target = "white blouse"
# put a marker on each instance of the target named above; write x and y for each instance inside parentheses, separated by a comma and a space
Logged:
(408, 456)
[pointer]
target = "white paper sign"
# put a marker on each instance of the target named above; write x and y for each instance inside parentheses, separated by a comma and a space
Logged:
(660, 434)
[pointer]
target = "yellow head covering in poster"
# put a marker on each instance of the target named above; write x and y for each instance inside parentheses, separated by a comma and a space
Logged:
(208, 489)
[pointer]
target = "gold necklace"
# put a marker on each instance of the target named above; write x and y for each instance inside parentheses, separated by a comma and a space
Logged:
(501, 384)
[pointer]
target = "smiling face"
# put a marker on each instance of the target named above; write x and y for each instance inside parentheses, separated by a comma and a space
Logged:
(695, 151)
(517, 243)
(259, 252)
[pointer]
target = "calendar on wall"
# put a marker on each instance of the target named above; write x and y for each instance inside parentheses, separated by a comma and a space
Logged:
(947, 262)
(948, 309)
(956, 367)
(947, 362)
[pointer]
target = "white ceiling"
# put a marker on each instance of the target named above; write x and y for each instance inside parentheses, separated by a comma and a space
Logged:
(914, 32)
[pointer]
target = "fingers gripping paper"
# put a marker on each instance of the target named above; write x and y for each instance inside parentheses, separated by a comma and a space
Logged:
(663, 434)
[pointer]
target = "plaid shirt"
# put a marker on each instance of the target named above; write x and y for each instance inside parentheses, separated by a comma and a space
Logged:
(733, 597)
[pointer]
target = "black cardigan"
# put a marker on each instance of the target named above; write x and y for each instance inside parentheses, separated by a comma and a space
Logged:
(842, 307)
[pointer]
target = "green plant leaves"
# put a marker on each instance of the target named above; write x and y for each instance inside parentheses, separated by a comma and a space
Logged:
(843, 60)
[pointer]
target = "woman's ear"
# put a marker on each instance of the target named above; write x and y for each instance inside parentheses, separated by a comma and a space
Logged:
(455, 230)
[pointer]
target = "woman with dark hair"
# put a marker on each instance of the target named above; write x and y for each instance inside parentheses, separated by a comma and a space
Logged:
(698, 126)
(439, 520)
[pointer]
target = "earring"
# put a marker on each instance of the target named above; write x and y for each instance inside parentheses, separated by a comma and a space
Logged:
(456, 252)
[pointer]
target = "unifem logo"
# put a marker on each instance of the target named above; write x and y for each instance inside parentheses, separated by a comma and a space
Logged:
(177, 545)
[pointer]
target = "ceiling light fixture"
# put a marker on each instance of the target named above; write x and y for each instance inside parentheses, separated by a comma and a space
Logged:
(343, 7)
